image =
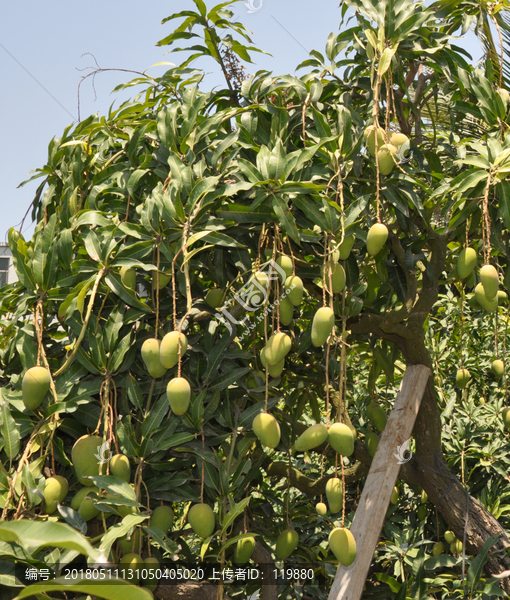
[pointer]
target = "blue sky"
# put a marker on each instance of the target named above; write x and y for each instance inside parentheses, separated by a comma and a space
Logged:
(49, 39)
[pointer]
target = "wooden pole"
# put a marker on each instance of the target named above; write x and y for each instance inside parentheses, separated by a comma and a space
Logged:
(375, 498)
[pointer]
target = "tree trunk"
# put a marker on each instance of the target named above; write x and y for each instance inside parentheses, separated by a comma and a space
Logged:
(444, 489)
(428, 466)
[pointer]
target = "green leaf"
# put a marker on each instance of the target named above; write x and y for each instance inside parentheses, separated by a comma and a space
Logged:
(119, 353)
(398, 281)
(115, 589)
(155, 417)
(93, 246)
(177, 439)
(119, 530)
(229, 378)
(90, 217)
(114, 485)
(503, 190)
(468, 180)
(134, 391)
(476, 568)
(43, 255)
(286, 218)
(114, 282)
(216, 355)
(309, 208)
(73, 518)
(10, 432)
(385, 62)
(18, 247)
(33, 535)
(233, 513)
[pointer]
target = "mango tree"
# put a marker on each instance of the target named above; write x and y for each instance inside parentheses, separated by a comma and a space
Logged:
(205, 267)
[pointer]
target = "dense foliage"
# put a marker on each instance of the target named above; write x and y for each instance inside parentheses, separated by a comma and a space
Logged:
(182, 191)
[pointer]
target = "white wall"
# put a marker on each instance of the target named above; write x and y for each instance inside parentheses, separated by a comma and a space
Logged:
(6, 252)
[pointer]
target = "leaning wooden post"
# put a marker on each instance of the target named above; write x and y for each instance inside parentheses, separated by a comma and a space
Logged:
(369, 517)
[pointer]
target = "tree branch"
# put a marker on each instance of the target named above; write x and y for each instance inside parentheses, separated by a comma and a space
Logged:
(314, 487)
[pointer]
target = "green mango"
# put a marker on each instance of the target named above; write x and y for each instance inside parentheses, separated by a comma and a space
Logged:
(214, 298)
(372, 441)
(277, 348)
(376, 238)
(85, 461)
(370, 138)
(334, 494)
(35, 385)
(202, 521)
(276, 370)
(343, 545)
(128, 277)
(377, 417)
(131, 543)
(55, 491)
(286, 543)
(164, 279)
(286, 312)
(178, 392)
(505, 97)
(294, 289)
(385, 158)
(321, 509)
(395, 495)
(337, 278)
(498, 368)
(83, 502)
(437, 549)
(162, 518)
(488, 305)
(340, 438)
(344, 249)
(267, 429)
(151, 357)
(169, 349)
(401, 143)
(120, 467)
(466, 262)
(462, 378)
(243, 550)
(449, 537)
(131, 561)
(311, 438)
(285, 263)
(422, 512)
(490, 281)
(506, 418)
(322, 325)
(151, 564)
(424, 498)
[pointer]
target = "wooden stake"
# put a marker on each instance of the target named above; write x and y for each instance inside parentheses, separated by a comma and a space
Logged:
(375, 499)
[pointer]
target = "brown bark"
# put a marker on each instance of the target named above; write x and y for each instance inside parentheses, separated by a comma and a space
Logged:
(186, 591)
(262, 556)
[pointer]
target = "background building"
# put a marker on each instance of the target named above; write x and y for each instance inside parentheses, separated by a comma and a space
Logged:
(7, 272)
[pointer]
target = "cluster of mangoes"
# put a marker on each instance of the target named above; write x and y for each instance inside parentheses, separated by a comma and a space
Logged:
(486, 295)
(386, 153)
(161, 355)
(340, 436)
